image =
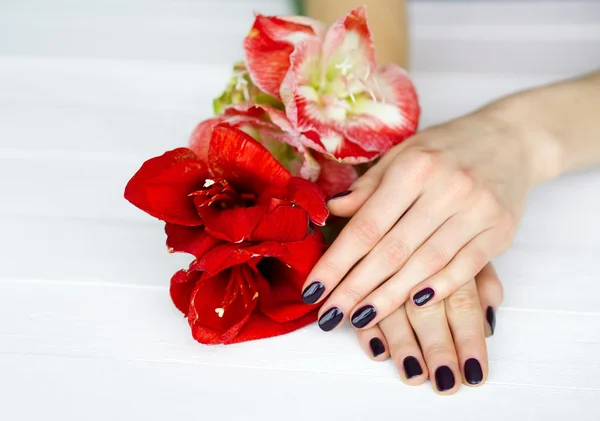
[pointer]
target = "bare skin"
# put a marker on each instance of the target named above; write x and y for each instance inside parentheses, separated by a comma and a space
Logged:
(439, 206)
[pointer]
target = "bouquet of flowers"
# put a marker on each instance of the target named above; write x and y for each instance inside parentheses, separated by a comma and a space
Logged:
(247, 196)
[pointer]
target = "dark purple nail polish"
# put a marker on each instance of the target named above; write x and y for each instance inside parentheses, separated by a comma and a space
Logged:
(330, 319)
(313, 292)
(376, 346)
(423, 296)
(490, 316)
(363, 316)
(412, 368)
(444, 378)
(473, 372)
(342, 194)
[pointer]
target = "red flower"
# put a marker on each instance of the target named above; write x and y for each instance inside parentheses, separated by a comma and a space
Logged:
(241, 292)
(238, 193)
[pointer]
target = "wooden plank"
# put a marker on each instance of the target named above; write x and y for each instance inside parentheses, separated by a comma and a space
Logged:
(538, 348)
(100, 389)
(545, 275)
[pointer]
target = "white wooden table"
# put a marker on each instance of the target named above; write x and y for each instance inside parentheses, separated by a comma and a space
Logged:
(88, 90)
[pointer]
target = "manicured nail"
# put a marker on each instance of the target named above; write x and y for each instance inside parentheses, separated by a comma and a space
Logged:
(330, 319)
(377, 347)
(412, 368)
(342, 194)
(363, 316)
(423, 296)
(490, 315)
(473, 372)
(313, 292)
(444, 378)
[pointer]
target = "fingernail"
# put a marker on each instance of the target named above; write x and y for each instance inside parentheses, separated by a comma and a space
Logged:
(423, 296)
(412, 368)
(363, 316)
(473, 372)
(313, 292)
(330, 319)
(342, 194)
(377, 347)
(491, 318)
(444, 378)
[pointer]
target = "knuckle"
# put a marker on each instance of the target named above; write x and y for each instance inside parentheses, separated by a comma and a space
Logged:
(462, 301)
(463, 183)
(330, 268)
(434, 259)
(437, 350)
(424, 164)
(395, 252)
(489, 205)
(475, 260)
(352, 294)
(366, 231)
(468, 336)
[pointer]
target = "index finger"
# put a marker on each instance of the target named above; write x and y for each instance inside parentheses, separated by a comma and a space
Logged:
(376, 217)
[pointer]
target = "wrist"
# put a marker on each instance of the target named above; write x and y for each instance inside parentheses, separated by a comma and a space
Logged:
(521, 119)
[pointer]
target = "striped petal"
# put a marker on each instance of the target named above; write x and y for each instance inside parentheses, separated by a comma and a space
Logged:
(348, 50)
(269, 44)
(378, 125)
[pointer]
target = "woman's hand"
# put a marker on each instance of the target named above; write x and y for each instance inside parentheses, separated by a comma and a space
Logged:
(425, 220)
(451, 335)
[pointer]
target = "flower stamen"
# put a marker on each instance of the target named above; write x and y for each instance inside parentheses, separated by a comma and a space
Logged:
(344, 66)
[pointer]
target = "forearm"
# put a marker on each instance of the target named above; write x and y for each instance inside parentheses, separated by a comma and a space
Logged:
(387, 20)
(560, 123)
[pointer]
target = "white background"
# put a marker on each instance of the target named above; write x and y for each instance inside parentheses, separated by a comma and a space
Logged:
(89, 89)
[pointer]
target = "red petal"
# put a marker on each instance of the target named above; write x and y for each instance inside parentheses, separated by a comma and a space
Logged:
(283, 224)
(303, 255)
(200, 138)
(280, 294)
(268, 46)
(334, 177)
(260, 326)
(243, 161)
(234, 225)
(161, 187)
(192, 240)
(182, 285)
(227, 255)
(309, 197)
(220, 306)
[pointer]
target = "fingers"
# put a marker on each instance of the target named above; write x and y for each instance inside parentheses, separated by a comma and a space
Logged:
(363, 232)
(403, 347)
(374, 343)
(490, 291)
(429, 258)
(432, 330)
(465, 319)
(347, 203)
(464, 266)
(384, 260)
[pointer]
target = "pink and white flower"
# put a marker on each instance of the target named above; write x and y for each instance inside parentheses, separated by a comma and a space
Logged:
(338, 102)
